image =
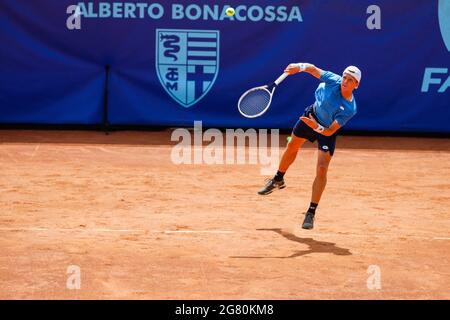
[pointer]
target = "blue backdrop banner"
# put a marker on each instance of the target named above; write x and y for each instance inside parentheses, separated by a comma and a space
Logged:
(175, 62)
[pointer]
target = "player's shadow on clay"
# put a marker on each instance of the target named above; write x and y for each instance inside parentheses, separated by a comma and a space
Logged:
(314, 246)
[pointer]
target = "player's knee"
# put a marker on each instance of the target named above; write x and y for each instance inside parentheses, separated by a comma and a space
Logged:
(322, 169)
(293, 147)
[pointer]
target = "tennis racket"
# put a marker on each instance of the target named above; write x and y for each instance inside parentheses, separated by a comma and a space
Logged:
(255, 102)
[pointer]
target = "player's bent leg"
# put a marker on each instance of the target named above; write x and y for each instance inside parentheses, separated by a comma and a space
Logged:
(289, 155)
(320, 181)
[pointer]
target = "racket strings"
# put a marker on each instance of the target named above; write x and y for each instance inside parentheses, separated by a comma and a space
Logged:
(255, 102)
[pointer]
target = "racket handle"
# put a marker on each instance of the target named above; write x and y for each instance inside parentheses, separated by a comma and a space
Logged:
(281, 78)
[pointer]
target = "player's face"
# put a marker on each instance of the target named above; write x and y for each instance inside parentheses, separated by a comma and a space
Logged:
(348, 83)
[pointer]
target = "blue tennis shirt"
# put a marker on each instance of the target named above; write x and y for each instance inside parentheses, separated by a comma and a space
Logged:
(330, 105)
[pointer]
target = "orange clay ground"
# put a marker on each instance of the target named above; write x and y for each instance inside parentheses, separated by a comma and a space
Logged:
(141, 227)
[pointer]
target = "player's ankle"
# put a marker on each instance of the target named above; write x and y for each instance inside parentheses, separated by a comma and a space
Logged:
(279, 176)
(312, 207)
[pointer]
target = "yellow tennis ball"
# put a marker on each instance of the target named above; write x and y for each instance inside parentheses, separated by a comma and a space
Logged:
(230, 12)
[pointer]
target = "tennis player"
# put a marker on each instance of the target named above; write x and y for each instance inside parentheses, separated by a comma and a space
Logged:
(334, 106)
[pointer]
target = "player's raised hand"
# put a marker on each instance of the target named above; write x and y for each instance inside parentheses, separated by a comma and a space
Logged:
(292, 68)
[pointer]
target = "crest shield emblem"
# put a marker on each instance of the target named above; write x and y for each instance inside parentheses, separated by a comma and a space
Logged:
(187, 63)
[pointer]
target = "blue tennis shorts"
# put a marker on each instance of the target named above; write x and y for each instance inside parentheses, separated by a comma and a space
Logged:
(301, 130)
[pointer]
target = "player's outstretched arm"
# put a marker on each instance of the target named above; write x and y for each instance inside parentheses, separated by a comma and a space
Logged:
(294, 68)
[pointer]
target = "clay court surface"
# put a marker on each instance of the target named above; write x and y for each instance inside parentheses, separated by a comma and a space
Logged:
(141, 227)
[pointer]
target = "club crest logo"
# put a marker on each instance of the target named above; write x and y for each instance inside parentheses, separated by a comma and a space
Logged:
(187, 63)
(444, 21)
